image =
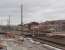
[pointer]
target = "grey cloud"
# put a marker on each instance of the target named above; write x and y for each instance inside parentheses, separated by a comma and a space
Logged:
(12, 8)
(46, 9)
(33, 10)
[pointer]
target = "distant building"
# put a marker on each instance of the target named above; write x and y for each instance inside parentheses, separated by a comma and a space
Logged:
(28, 27)
(48, 26)
(55, 26)
(32, 25)
(5, 28)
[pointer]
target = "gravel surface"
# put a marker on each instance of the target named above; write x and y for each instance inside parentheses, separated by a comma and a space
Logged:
(27, 44)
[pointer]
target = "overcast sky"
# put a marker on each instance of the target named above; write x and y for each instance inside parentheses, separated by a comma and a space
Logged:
(10, 8)
(33, 10)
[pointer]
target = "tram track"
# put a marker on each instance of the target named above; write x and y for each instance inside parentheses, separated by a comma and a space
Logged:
(50, 42)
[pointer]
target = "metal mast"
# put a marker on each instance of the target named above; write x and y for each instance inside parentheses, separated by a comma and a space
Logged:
(21, 14)
(21, 19)
(8, 23)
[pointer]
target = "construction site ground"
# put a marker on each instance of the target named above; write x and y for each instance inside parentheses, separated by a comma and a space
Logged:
(27, 44)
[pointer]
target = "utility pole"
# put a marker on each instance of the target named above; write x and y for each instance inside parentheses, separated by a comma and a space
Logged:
(8, 23)
(21, 19)
(1, 21)
(21, 14)
(9, 20)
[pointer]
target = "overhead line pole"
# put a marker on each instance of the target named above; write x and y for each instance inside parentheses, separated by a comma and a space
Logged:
(9, 22)
(21, 19)
(21, 14)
